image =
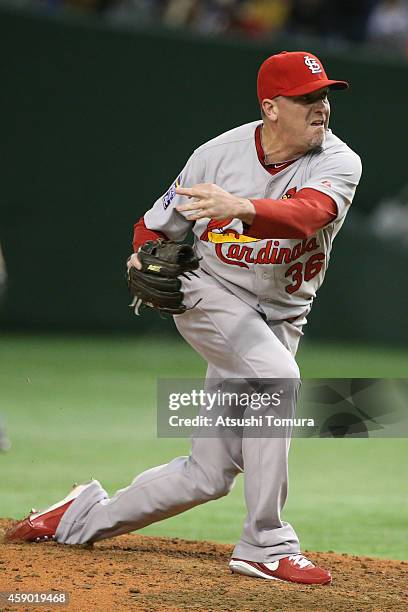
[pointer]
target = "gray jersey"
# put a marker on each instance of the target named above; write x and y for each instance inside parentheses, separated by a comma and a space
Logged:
(278, 277)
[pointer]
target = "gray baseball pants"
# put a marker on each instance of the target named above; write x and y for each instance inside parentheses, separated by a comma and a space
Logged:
(237, 343)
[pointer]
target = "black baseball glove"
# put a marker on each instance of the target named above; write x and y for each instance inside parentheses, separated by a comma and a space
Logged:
(158, 284)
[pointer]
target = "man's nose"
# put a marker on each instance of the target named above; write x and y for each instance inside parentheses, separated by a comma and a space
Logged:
(320, 105)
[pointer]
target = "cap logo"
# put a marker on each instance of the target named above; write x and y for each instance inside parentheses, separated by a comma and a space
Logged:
(312, 64)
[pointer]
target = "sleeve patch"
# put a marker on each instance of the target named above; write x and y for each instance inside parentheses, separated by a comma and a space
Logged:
(171, 193)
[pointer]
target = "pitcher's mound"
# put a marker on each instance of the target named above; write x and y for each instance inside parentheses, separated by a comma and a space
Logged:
(143, 573)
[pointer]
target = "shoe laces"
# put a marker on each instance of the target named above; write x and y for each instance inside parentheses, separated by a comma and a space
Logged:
(300, 560)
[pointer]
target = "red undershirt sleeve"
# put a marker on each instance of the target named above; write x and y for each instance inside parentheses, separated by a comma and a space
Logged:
(142, 234)
(298, 217)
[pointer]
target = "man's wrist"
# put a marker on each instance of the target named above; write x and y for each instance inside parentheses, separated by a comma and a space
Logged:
(246, 211)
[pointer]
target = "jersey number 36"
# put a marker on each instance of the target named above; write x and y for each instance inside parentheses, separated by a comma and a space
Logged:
(304, 271)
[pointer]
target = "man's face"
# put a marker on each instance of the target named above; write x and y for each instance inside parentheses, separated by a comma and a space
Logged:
(302, 120)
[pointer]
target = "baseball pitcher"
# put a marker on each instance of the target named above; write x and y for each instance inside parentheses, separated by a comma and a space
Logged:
(264, 201)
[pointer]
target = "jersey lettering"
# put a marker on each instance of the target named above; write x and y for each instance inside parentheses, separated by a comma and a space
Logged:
(272, 253)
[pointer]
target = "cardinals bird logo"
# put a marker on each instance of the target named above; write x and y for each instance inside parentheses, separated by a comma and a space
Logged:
(217, 231)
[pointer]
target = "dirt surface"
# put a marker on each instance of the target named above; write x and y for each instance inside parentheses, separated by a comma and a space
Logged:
(143, 573)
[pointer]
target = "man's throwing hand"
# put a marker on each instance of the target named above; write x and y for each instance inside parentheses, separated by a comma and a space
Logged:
(211, 201)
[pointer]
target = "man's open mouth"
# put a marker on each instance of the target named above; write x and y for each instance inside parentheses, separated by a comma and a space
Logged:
(318, 122)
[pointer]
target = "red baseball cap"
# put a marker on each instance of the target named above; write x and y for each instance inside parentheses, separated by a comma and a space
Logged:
(293, 73)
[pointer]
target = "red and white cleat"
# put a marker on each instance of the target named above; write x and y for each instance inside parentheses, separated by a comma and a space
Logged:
(41, 526)
(295, 568)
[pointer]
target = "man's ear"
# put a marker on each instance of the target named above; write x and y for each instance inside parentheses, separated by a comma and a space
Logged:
(270, 109)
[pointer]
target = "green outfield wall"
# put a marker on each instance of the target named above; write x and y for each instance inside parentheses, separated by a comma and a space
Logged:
(96, 122)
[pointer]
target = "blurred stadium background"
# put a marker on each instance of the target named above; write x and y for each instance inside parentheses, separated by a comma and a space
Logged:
(102, 103)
